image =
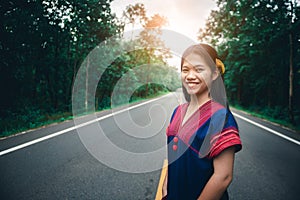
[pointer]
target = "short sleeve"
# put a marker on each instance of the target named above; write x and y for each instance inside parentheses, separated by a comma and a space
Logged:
(173, 114)
(171, 129)
(229, 137)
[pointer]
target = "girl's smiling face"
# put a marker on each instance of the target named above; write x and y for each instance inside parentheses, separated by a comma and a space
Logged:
(197, 76)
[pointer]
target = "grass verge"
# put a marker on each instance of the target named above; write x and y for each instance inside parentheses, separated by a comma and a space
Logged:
(281, 120)
(33, 120)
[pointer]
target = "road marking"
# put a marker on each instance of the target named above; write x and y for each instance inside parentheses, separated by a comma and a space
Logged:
(121, 111)
(21, 146)
(267, 129)
(165, 165)
(161, 180)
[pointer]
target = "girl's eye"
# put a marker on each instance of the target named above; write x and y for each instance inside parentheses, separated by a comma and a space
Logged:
(185, 70)
(199, 69)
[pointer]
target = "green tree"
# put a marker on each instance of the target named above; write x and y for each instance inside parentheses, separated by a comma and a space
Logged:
(256, 38)
(42, 45)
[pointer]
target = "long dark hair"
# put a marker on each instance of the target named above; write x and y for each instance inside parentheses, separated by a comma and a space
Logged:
(209, 54)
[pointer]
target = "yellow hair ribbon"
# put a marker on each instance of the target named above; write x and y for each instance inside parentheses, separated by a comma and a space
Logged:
(220, 65)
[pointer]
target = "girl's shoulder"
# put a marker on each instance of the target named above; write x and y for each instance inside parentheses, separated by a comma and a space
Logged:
(178, 109)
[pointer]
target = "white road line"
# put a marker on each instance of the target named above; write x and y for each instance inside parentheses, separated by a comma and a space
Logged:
(121, 111)
(74, 127)
(267, 129)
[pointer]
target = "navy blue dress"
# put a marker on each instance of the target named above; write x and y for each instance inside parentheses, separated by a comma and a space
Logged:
(193, 145)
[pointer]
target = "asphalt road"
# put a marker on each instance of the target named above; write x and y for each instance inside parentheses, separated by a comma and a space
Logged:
(65, 166)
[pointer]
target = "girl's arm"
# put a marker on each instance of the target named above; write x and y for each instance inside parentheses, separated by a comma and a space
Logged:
(165, 184)
(222, 176)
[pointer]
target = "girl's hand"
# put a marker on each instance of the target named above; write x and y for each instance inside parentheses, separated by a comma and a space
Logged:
(164, 191)
(165, 186)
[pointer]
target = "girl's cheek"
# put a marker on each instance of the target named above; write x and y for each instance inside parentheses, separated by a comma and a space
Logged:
(183, 75)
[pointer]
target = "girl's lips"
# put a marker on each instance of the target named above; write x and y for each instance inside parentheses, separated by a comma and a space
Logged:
(192, 83)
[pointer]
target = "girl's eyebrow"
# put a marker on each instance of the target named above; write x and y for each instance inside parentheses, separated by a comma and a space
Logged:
(198, 65)
(194, 66)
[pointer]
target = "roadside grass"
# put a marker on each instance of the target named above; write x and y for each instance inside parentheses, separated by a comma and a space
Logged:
(34, 119)
(22, 124)
(277, 116)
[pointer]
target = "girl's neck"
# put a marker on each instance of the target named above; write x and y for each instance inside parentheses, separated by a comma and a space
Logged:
(197, 101)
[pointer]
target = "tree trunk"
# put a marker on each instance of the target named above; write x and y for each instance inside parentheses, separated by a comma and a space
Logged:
(291, 114)
(148, 73)
(86, 83)
(239, 92)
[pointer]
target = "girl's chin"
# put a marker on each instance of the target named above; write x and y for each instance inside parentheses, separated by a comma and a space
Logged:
(192, 92)
(196, 92)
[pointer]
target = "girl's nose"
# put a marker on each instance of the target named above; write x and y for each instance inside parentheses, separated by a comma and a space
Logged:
(191, 75)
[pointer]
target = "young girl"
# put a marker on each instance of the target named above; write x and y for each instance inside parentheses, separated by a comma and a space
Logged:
(202, 135)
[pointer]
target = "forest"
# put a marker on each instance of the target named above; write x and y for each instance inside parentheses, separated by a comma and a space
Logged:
(43, 43)
(259, 41)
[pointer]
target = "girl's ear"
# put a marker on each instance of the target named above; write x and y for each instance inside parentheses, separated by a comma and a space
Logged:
(215, 74)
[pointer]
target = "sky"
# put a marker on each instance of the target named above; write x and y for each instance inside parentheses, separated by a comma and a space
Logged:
(184, 16)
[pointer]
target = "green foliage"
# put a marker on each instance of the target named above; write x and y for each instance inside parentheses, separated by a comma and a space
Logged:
(276, 115)
(252, 38)
(29, 118)
(42, 45)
